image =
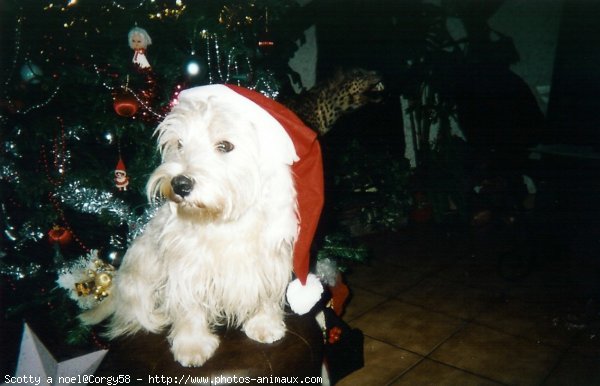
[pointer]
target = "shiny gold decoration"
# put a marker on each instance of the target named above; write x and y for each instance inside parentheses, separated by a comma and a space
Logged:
(85, 288)
(100, 281)
(169, 12)
(237, 15)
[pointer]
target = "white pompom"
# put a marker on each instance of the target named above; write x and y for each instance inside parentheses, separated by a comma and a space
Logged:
(302, 298)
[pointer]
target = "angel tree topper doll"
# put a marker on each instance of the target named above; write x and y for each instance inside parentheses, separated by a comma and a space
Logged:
(139, 40)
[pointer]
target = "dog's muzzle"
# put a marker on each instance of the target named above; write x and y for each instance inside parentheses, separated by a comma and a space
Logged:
(182, 185)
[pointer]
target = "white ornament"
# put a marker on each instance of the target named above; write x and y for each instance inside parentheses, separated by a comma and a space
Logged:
(36, 366)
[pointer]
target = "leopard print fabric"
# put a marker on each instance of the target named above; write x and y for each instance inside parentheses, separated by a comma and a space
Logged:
(321, 106)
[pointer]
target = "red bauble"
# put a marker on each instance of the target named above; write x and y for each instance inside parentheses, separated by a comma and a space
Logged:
(266, 43)
(335, 333)
(60, 235)
(125, 103)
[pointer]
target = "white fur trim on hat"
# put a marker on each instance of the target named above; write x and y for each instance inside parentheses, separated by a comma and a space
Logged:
(302, 298)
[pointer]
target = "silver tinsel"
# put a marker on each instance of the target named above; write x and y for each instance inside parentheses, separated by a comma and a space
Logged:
(266, 84)
(10, 147)
(9, 173)
(138, 223)
(17, 272)
(91, 200)
(327, 270)
(29, 232)
(99, 202)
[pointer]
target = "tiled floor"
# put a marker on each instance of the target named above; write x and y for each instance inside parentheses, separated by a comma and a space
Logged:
(435, 310)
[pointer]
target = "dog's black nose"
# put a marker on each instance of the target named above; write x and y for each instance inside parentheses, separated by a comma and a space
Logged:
(182, 185)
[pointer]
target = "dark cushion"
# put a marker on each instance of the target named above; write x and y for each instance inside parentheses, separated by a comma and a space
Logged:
(143, 356)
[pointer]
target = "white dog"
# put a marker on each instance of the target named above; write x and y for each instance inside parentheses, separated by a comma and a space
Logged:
(238, 172)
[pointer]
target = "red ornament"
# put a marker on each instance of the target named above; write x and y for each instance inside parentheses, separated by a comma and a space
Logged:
(266, 43)
(125, 103)
(339, 294)
(121, 178)
(60, 235)
(335, 334)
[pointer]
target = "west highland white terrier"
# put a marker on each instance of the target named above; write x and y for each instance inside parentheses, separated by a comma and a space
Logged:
(221, 249)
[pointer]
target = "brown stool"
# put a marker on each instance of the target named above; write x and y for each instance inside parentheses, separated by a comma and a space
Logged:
(147, 357)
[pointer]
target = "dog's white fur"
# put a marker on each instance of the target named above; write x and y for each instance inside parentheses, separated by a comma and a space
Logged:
(220, 255)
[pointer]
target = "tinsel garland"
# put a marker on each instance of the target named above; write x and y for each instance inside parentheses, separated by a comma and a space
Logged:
(98, 202)
(327, 271)
(19, 272)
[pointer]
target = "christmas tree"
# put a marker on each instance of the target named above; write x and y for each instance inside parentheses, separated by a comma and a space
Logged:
(84, 85)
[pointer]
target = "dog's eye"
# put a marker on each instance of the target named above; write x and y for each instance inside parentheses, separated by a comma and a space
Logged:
(179, 144)
(224, 146)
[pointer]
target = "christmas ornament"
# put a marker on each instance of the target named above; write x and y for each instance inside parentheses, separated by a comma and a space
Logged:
(121, 178)
(56, 167)
(88, 281)
(265, 40)
(37, 366)
(195, 69)
(103, 203)
(335, 334)
(234, 16)
(31, 73)
(339, 295)
(109, 137)
(125, 103)
(9, 228)
(99, 281)
(60, 235)
(266, 43)
(20, 272)
(266, 83)
(114, 256)
(139, 40)
(166, 11)
(143, 80)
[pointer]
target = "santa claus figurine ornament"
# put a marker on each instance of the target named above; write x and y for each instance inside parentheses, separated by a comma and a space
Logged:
(139, 40)
(121, 178)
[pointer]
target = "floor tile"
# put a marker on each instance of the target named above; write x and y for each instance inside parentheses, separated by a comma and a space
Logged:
(461, 322)
(359, 302)
(537, 322)
(437, 374)
(587, 341)
(386, 246)
(498, 356)
(409, 327)
(545, 286)
(384, 278)
(383, 363)
(478, 272)
(575, 369)
(427, 256)
(451, 298)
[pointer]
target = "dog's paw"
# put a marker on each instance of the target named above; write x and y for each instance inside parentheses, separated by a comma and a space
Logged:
(265, 328)
(193, 352)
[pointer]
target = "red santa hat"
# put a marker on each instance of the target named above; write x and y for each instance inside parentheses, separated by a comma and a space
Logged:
(120, 166)
(287, 139)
